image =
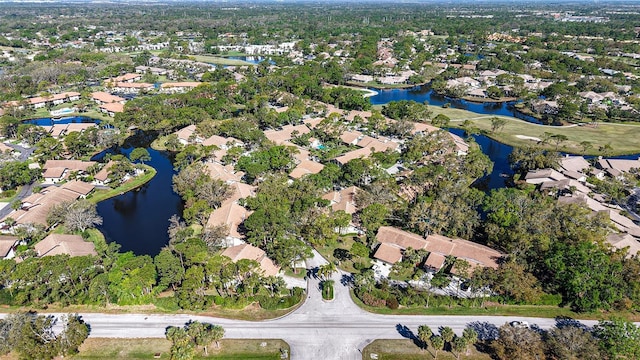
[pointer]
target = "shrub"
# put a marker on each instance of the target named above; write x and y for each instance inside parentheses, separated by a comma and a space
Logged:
(370, 300)
(169, 303)
(392, 303)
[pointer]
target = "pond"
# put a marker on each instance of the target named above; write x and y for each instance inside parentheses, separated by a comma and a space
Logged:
(424, 93)
(138, 220)
(498, 153)
(65, 120)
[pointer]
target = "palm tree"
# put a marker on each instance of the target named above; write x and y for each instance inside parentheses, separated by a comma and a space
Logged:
(217, 333)
(424, 334)
(470, 336)
(458, 346)
(447, 334)
(325, 271)
(438, 343)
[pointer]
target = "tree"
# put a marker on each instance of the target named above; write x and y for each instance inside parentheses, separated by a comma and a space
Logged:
(424, 334)
(447, 334)
(497, 124)
(74, 333)
(141, 154)
(201, 333)
(470, 336)
(458, 345)
(81, 216)
(170, 269)
(326, 270)
(572, 343)
(17, 173)
(586, 145)
(373, 216)
(438, 343)
(559, 139)
(441, 120)
(181, 344)
(618, 338)
(515, 342)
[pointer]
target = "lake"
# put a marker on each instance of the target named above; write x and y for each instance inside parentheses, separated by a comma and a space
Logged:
(138, 220)
(423, 93)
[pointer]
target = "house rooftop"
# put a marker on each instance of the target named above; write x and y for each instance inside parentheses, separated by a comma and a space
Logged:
(250, 252)
(388, 253)
(59, 244)
(230, 214)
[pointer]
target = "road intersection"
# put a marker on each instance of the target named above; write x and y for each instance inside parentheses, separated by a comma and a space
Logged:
(318, 329)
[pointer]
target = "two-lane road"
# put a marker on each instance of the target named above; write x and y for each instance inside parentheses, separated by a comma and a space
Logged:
(316, 330)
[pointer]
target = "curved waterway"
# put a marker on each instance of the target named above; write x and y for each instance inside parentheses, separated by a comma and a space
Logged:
(138, 219)
(423, 93)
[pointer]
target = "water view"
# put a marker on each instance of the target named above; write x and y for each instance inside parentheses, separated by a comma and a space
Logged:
(65, 120)
(138, 219)
(424, 93)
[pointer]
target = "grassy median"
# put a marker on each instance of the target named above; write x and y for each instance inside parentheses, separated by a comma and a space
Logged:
(103, 348)
(408, 350)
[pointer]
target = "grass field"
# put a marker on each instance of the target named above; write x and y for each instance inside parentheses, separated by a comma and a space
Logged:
(407, 350)
(138, 181)
(221, 60)
(106, 349)
(622, 138)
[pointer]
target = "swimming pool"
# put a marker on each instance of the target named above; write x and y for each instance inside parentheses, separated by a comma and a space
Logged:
(64, 111)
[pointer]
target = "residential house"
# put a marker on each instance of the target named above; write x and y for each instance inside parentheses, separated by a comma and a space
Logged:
(178, 87)
(250, 252)
(79, 187)
(101, 97)
(393, 242)
(102, 176)
(543, 175)
(132, 88)
(8, 246)
(306, 167)
(620, 241)
(615, 167)
(226, 173)
(128, 78)
(232, 216)
(35, 207)
(288, 132)
(187, 135)
(112, 109)
(57, 170)
(344, 200)
(62, 244)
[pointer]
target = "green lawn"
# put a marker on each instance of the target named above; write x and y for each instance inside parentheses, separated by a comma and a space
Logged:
(102, 348)
(12, 194)
(221, 60)
(621, 137)
(100, 195)
(406, 349)
(542, 311)
(345, 243)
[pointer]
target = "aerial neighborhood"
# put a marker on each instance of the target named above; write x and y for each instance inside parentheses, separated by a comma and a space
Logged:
(299, 162)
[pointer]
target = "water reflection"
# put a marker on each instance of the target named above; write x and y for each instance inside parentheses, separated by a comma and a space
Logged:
(138, 219)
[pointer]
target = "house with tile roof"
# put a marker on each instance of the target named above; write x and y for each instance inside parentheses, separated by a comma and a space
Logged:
(250, 252)
(62, 244)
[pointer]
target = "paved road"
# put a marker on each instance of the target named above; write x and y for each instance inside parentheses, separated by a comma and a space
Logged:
(317, 330)
(26, 189)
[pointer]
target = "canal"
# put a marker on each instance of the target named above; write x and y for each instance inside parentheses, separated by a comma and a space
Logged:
(138, 220)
